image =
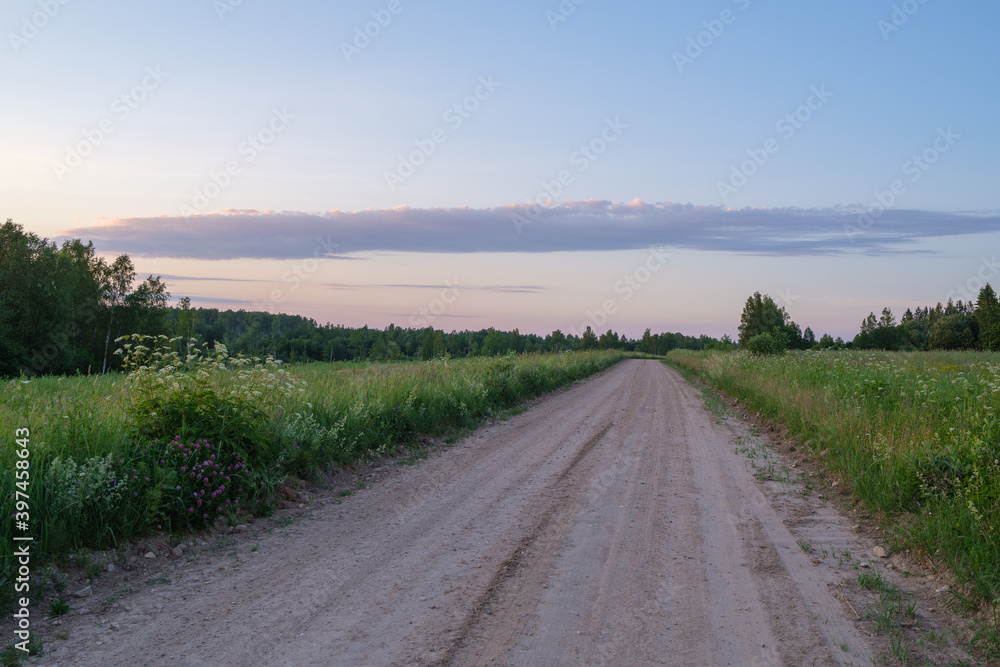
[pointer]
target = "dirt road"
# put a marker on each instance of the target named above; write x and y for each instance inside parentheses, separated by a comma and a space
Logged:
(610, 524)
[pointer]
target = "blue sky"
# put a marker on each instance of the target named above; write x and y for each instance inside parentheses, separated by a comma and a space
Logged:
(188, 109)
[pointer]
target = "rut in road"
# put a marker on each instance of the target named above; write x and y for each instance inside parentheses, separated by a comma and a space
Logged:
(608, 524)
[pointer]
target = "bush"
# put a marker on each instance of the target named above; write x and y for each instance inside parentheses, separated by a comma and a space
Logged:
(85, 503)
(306, 446)
(503, 387)
(223, 399)
(188, 484)
(767, 344)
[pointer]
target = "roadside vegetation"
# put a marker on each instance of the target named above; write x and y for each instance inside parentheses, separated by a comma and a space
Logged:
(191, 435)
(915, 435)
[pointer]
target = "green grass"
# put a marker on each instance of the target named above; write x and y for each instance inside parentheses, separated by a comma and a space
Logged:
(915, 435)
(337, 414)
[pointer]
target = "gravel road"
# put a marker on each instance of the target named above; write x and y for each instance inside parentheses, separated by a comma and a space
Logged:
(608, 524)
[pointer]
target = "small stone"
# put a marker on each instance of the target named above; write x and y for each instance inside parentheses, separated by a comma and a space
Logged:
(879, 552)
(943, 589)
(823, 454)
(856, 526)
(150, 555)
(864, 564)
(177, 553)
(242, 528)
(84, 592)
(110, 567)
(115, 626)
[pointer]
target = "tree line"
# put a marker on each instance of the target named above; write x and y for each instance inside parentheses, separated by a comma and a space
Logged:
(952, 326)
(62, 307)
(766, 328)
(295, 338)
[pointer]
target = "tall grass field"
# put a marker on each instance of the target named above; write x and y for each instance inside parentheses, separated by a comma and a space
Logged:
(915, 435)
(189, 436)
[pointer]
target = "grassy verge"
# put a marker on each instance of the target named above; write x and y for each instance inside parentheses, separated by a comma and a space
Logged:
(915, 435)
(114, 457)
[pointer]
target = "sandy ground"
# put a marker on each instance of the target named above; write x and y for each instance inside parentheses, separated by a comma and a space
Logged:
(613, 523)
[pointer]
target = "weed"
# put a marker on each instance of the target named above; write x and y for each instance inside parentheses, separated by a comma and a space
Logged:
(58, 608)
(898, 646)
(936, 638)
(805, 545)
(870, 579)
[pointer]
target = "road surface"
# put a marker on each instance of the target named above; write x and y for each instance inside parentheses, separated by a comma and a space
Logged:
(609, 524)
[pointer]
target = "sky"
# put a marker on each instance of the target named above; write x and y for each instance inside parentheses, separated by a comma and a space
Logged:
(537, 165)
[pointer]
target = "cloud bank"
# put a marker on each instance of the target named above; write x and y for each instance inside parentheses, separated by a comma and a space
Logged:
(571, 226)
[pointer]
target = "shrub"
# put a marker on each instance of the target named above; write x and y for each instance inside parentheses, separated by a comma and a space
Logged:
(85, 503)
(188, 484)
(308, 447)
(767, 344)
(502, 383)
(204, 395)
